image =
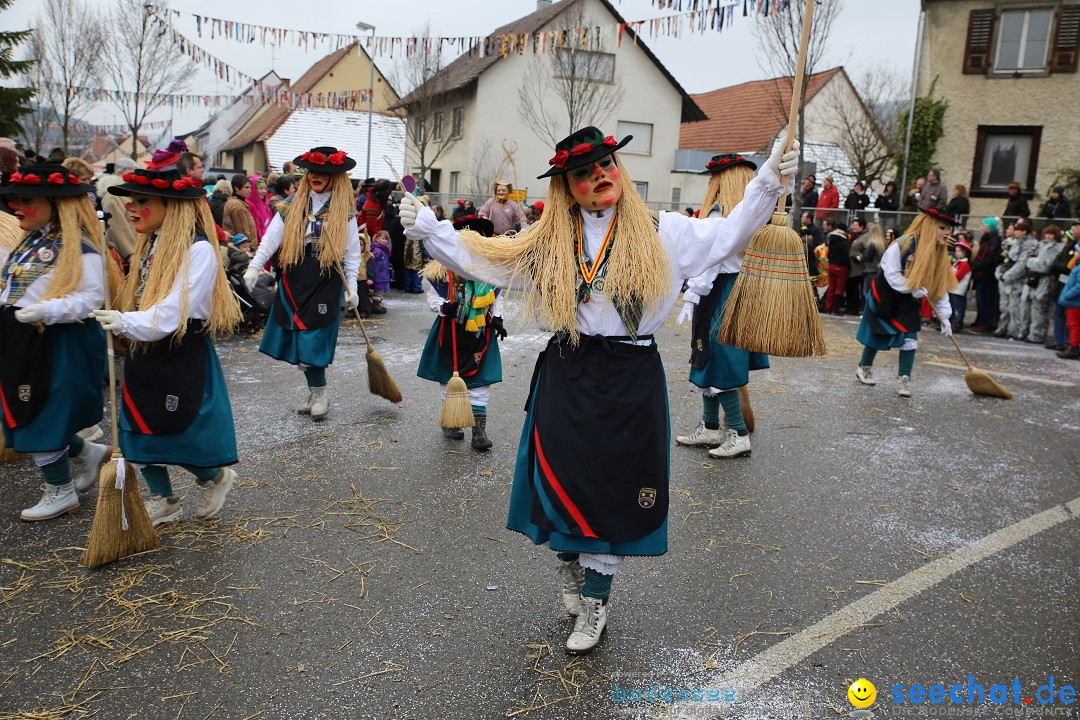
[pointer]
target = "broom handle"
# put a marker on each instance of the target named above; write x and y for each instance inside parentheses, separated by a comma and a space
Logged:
(394, 172)
(453, 321)
(356, 311)
(109, 346)
(796, 90)
(955, 344)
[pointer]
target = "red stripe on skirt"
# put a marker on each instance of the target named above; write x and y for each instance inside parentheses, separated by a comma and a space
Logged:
(563, 497)
(143, 427)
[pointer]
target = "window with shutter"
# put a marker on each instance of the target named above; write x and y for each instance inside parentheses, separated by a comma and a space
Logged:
(979, 42)
(1064, 55)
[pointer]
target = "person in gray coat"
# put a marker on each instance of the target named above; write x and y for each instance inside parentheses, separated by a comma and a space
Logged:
(1036, 291)
(1014, 279)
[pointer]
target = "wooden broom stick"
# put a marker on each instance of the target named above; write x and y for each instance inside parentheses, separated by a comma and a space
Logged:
(380, 382)
(796, 90)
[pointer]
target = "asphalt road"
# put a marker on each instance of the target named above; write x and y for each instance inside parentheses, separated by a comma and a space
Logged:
(361, 568)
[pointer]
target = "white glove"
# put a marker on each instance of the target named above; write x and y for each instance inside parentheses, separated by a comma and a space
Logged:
(686, 314)
(946, 327)
(110, 320)
(408, 209)
(351, 300)
(785, 164)
(251, 276)
(33, 314)
(918, 293)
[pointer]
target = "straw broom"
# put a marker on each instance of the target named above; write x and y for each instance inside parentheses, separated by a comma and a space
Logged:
(747, 410)
(978, 382)
(456, 409)
(772, 309)
(379, 380)
(121, 526)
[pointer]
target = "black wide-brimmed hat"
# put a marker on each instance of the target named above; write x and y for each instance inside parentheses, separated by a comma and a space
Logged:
(325, 159)
(164, 183)
(49, 181)
(719, 163)
(940, 216)
(475, 223)
(583, 147)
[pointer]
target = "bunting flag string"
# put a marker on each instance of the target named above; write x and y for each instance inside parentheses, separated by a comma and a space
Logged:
(698, 16)
(259, 94)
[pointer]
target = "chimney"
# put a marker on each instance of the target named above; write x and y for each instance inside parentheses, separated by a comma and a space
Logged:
(541, 4)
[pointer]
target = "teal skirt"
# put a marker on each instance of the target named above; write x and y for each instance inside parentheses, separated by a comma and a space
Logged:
(433, 365)
(76, 390)
(210, 441)
(878, 335)
(309, 347)
(727, 367)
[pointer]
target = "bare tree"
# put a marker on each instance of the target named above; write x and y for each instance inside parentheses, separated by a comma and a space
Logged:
(70, 40)
(35, 124)
(867, 124)
(483, 169)
(434, 124)
(779, 37)
(569, 87)
(144, 62)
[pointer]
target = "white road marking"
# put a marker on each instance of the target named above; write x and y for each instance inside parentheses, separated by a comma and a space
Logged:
(767, 665)
(1016, 376)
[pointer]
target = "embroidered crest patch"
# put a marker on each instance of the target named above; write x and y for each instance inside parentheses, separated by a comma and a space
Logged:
(322, 308)
(700, 344)
(476, 357)
(646, 497)
(171, 403)
(24, 393)
(45, 254)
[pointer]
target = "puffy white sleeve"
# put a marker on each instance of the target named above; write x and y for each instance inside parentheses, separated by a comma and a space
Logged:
(894, 274)
(200, 269)
(499, 307)
(444, 244)
(944, 308)
(271, 241)
(434, 299)
(353, 249)
(89, 295)
(699, 244)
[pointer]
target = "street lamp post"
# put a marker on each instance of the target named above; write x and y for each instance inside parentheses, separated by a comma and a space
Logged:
(370, 96)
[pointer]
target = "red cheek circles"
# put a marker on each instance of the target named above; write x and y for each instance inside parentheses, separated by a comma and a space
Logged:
(583, 187)
(29, 211)
(144, 212)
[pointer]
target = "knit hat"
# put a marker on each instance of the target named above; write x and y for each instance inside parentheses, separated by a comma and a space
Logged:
(992, 223)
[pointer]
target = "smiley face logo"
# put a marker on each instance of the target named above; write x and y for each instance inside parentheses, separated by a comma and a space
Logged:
(862, 693)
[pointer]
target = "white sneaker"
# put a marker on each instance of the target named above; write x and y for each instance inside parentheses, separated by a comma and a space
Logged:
(903, 386)
(164, 509)
(735, 445)
(320, 404)
(702, 436)
(56, 500)
(865, 373)
(589, 626)
(571, 576)
(92, 457)
(305, 409)
(92, 433)
(209, 497)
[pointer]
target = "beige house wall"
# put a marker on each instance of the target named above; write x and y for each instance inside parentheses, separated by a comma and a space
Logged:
(352, 72)
(491, 115)
(1048, 101)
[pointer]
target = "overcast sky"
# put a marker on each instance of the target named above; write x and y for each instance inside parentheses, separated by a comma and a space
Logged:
(868, 33)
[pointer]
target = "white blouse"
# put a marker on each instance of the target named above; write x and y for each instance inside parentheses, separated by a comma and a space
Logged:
(691, 245)
(894, 275)
(88, 295)
(271, 240)
(199, 269)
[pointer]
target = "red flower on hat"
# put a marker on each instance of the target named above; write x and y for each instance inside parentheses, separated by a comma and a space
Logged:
(725, 161)
(73, 180)
(160, 183)
(16, 178)
(337, 158)
(306, 156)
(142, 180)
(128, 177)
(56, 179)
(317, 158)
(30, 179)
(582, 149)
(179, 185)
(611, 141)
(560, 159)
(740, 158)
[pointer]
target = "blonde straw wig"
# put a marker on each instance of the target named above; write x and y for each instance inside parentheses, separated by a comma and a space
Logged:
(338, 215)
(929, 266)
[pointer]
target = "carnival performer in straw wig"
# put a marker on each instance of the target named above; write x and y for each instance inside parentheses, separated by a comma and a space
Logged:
(602, 274)
(51, 362)
(465, 336)
(315, 236)
(916, 266)
(718, 371)
(176, 297)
